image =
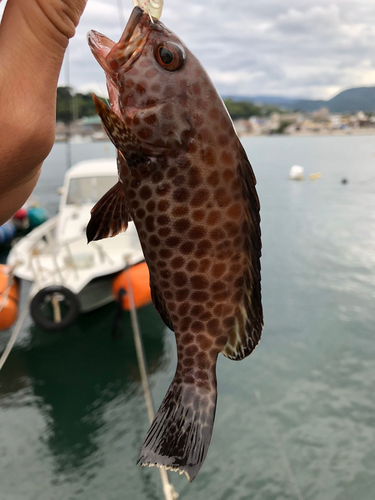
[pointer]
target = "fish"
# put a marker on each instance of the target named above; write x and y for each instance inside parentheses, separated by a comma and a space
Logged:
(186, 182)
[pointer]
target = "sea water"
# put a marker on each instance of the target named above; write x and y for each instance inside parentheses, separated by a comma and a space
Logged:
(296, 419)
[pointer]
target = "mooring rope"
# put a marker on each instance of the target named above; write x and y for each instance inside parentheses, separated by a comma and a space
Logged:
(15, 333)
(169, 491)
(291, 476)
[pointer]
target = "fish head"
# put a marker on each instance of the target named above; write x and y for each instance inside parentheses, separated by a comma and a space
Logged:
(154, 82)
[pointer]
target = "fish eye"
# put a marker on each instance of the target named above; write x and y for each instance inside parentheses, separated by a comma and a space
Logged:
(170, 56)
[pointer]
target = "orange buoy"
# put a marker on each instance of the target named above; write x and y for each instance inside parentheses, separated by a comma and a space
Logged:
(8, 298)
(140, 280)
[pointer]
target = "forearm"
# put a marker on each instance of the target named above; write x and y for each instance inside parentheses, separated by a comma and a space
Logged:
(34, 35)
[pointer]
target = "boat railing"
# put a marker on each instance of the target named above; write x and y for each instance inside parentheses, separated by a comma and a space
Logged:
(60, 267)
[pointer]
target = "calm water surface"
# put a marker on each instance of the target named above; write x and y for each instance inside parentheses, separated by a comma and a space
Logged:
(72, 416)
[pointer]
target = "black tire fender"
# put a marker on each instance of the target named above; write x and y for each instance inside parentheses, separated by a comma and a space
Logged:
(47, 324)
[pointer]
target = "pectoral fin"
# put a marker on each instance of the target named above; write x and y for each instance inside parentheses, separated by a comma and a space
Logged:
(110, 216)
(121, 136)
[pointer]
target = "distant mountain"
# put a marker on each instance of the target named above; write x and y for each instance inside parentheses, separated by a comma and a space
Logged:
(348, 101)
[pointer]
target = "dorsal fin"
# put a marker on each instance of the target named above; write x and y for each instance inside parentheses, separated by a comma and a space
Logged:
(249, 316)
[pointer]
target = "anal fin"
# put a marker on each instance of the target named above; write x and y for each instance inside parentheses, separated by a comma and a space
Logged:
(110, 216)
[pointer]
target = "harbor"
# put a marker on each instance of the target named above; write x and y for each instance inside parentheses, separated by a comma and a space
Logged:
(72, 406)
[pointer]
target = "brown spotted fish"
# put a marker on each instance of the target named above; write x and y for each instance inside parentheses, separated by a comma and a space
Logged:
(186, 182)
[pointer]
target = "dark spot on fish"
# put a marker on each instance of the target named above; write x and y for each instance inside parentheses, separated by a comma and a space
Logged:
(197, 232)
(172, 241)
(188, 362)
(179, 211)
(150, 207)
(178, 181)
(213, 326)
(231, 228)
(165, 253)
(180, 279)
(213, 217)
(188, 338)
(194, 177)
(192, 265)
(151, 119)
(214, 178)
(169, 295)
(177, 262)
(229, 322)
(152, 254)
(203, 361)
(145, 133)
(197, 326)
(165, 273)
(181, 225)
(163, 220)
(180, 195)
(208, 156)
(198, 215)
(199, 282)
(140, 213)
(182, 294)
(204, 264)
(154, 240)
(145, 193)
(191, 350)
(218, 270)
(217, 234)
(214, 114)
(199, 296)
(163, 205)
(196, 88)
(226, 158)
(234, 211)
(172, 172)
(218, 286)
(164, 231)
(187, 247)
(203, 248)
(157, 177)
(197, 310)
(221, 341)
(150, 223)
(223, 139)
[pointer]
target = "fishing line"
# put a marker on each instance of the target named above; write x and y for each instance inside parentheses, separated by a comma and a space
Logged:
(291, 476)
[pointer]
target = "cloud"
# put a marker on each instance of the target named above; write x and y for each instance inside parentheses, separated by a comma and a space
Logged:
(292, 47)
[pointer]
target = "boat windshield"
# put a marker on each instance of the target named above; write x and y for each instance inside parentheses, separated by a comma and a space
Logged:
(89, 190)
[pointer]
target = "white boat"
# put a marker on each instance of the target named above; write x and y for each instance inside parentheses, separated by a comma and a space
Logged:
(65, 272)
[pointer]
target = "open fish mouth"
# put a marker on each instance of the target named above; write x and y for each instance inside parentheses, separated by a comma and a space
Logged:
(122, 55)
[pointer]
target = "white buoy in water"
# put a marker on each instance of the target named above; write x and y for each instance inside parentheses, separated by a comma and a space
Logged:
(296, 173)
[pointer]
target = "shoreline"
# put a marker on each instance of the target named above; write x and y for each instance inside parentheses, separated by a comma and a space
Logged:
(322, 133)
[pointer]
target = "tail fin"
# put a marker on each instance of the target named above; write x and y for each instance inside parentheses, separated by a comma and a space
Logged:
(180, 434)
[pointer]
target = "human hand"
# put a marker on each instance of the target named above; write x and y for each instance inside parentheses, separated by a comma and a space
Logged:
(34, 35)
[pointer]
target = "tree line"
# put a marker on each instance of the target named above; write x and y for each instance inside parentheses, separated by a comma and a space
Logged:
(72, 106)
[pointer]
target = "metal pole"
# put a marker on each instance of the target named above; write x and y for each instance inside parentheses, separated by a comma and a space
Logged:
(169, 491)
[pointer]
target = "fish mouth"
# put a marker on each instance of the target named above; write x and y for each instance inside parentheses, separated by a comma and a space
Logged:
(115, 56)
(128, 49)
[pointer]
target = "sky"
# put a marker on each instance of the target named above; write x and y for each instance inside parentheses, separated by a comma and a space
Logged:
(292, 48)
